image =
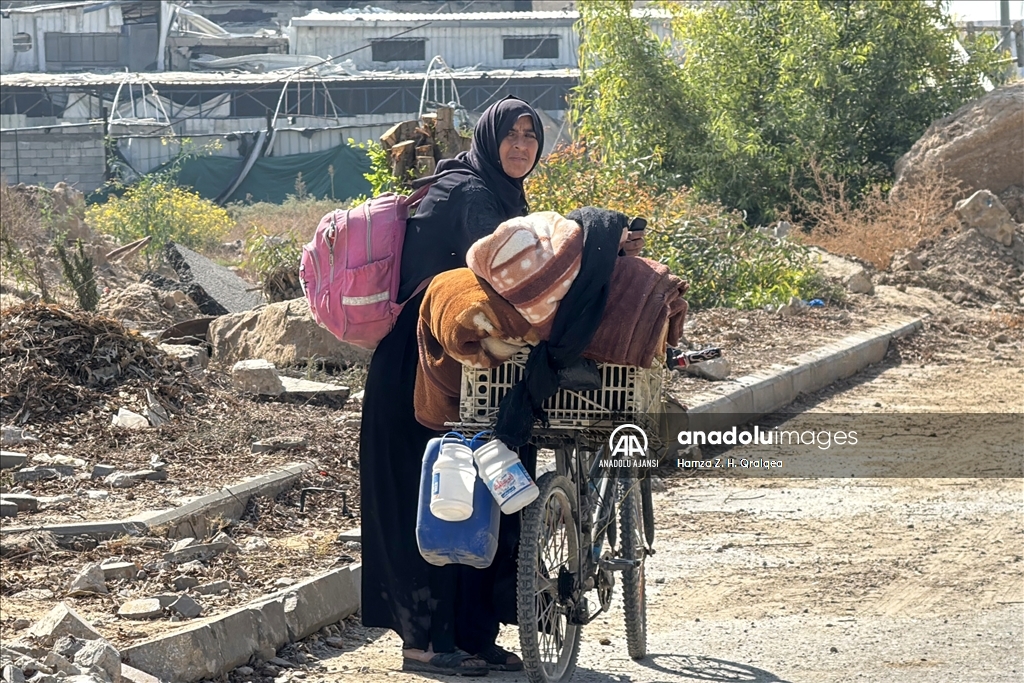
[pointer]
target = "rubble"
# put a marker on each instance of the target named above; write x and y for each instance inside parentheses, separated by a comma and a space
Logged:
(215, 289)
(977, 145)
(59, 622)
(59, 363)
(90, 581)
(984, 212)
(256, 376)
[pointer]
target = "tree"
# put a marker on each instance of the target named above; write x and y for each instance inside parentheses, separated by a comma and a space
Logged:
(766, 88)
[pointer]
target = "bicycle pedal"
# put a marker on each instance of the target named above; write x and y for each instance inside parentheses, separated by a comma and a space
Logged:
(618, 565)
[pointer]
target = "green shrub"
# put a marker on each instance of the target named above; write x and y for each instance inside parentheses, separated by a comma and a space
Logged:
(725, 262)
(766, 86)
(79, 272)
(155, 207)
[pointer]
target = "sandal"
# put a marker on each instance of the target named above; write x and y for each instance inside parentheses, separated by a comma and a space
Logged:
(497, 658)
(446, 664)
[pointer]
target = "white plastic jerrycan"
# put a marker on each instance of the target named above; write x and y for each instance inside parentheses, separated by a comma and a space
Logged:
(452, 480)
(505, 476)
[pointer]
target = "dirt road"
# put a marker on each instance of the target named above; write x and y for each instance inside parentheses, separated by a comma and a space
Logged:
(823, 580)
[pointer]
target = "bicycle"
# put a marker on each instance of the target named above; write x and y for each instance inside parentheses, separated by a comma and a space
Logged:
(592, 520)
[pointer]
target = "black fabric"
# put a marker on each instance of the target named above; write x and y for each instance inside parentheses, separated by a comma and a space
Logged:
(575, 323)
(468, 197)
(451, 606)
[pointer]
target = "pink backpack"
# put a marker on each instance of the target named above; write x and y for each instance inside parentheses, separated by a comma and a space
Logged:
(350, 271)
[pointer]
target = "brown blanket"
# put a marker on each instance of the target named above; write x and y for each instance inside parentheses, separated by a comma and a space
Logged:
(463, 321)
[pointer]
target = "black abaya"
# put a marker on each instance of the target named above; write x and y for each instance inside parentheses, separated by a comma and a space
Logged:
(454, 606)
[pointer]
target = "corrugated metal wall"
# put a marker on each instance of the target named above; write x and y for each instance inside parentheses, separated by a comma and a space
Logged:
(461, 45)
(38, 24)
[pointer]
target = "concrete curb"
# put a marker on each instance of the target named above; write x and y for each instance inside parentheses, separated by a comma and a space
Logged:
(214, 647)
(765, 392)
(190, 519)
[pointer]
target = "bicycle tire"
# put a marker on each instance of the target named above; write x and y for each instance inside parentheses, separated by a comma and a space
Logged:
(647, 503)
(545, 659)
(634, 588)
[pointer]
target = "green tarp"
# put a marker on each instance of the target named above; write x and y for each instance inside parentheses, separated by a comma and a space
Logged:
(272, 179)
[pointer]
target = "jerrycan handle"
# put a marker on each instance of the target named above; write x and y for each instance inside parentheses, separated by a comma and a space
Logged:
(455, 436)
(479, 439)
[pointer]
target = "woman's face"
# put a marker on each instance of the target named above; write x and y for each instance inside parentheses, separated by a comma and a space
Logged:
(519, 149)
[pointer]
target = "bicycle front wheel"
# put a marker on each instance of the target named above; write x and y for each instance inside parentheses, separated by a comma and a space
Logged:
(634, 588)
(549, 549)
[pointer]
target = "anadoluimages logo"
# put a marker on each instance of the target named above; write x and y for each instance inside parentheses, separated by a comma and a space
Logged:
(628, 441)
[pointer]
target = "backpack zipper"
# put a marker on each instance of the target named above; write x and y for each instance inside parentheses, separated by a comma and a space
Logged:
(369, 233)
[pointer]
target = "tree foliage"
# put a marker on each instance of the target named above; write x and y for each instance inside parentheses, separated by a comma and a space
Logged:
(766, 87)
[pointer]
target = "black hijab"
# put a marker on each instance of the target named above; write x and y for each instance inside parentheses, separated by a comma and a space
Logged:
(483, 161)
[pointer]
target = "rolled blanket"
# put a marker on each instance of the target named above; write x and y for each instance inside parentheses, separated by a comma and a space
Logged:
(644, 313)
(463, 321)
(531, 261)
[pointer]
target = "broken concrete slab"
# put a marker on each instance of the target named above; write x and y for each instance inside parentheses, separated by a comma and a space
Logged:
(181, 583)
(303, 388)
(129, 674)
(90, 581)
(15, 436)
(98, 530)
(8, 509)
(41, 473)
(186, 607)
(256, 376)
(102, 471)
(62, 621)
(192, 358)
(201, 551)
(351, 535)
(101, 655)
(11, 459)
(215, 289)
(207, 650)
(119, 571)
(213, 588)
(140, 609)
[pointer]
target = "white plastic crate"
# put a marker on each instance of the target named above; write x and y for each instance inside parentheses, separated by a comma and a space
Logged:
(626, 392)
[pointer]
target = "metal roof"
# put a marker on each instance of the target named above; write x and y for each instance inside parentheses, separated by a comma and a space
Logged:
(317, 17)
(214, 78)
(59, 6)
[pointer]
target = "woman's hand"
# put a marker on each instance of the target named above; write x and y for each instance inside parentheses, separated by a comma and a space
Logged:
(634, 243)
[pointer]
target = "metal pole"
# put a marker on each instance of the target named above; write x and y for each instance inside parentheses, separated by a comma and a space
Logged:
(17, 158)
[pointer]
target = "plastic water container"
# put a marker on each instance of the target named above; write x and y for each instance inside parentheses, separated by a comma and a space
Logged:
(473, 541)
(452, 480)
(506, 476)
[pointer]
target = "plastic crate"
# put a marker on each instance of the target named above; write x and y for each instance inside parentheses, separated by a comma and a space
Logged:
(626, 392)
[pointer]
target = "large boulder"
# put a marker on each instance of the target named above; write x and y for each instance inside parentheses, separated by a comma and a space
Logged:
(283, 333)
(979, 144)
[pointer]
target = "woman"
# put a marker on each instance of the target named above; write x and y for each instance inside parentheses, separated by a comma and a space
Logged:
(448, 617)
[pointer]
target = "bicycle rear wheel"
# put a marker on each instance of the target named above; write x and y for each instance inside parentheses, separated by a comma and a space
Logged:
(548, 563)
(634, 589)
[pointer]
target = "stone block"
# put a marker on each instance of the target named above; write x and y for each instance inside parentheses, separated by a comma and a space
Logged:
(119, 571)
(257, 376)
(143, 608)
(25, 502)
(11, 459)
(101, 655)
(62, 621)
(8, 509)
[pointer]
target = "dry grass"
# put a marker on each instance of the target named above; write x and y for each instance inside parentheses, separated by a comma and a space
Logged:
(296, 218)
(879, 225)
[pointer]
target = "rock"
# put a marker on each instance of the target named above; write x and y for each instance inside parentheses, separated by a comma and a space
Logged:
(1001, 338)
(191, 357)
(23, 501)
(256, 376)
(280, 662)
(119, 571)
(266, 654)
(991, 346)
(8, 509)
(283, 333)
(913, 262)
(62, 621)
(357, 397)
(279, 443)
(15, 436)
(715, 370)
(148, 475)
(978, 144)
(67, 460)
(985, 213)
(129, 420)
(213, 588)
(102, 471)
(186, 607)
(10, 459)
(61, 664)
(13, 674)
(143, 608)
(959, 297)
(781, 229)
(336, 643)
(101, 655)
(34, 473)
(305, 389)
(860, 283)
(130, 674)
(56, 502)
(284, 582)
(120, 480)
(40, 594)
(181, 583)
(255, 544)
(351, 535)
(165, 599)
(20, 624)
(97, 495)
(183, 543)
(195, 552)
(90, 581)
